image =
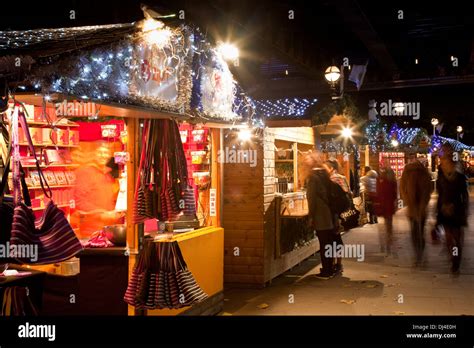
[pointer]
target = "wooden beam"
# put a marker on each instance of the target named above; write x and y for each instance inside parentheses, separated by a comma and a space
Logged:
(133, 130)
(287, 123)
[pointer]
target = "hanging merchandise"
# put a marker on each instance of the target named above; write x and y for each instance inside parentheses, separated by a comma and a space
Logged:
(121, 204)
(51, 235)
(6, 203)
(16, 301)
(161, 279)
(163, 181)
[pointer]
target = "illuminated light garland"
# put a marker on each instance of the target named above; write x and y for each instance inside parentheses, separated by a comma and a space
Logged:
(288, 107)
(437, 141)
(106, 73)
(376, 133)
(408, 136)
(26, 38)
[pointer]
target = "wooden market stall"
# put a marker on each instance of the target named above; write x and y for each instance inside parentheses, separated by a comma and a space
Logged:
(265, 212)
(129, 85)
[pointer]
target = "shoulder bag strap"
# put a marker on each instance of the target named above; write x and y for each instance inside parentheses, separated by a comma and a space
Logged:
(43, 182)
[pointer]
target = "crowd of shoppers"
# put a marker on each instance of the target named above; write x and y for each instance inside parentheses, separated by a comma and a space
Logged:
(381, 194)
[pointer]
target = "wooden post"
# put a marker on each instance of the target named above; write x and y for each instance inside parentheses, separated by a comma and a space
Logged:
(278, 201)
(133, 130)
(295, 166)
(216, 174)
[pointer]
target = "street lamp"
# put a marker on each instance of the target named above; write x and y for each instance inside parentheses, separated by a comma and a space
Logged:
(394, 142)
(434, 122)
(347, 132)
(459, 131)
(228, 51)
(245, 134)
(332, 74)
(399, 108)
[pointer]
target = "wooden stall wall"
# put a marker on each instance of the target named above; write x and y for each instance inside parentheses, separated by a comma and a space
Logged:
(276, 265)
(242, 217)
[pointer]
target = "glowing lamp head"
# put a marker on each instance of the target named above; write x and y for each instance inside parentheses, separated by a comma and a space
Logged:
(459, 129)
(245, 134)
(228, 51)
(399, 108)
(394, 142)
(332, 74)
(434, 121)
(346, 132)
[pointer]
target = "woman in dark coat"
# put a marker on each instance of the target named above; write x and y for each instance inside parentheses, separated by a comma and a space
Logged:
(453, 204)
(320, 216)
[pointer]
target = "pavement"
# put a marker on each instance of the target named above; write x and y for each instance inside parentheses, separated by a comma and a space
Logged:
(378, 285)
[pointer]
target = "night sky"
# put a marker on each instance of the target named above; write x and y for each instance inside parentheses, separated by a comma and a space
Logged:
(316, 36)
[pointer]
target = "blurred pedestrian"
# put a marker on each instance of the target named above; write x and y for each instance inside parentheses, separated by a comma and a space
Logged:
(415, 190)
(320, 215)
(386, 201)
(332, 167)
(368, 185)
(453, 204)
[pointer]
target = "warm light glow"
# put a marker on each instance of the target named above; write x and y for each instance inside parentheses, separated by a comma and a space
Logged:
(228, 51)
(347, 132)
(245, 134)
(159, 37)
(394, 142)
(332, 74)
(459, 129)
(152, 24)
(434, 121)
(399, 108)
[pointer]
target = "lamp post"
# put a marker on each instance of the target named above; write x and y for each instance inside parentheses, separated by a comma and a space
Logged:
(458, 131)
(434, 122)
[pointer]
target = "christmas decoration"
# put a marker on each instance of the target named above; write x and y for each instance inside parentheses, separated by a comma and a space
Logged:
(147, 64)
(288, 107)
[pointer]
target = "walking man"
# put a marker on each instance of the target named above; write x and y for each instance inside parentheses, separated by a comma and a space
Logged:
(415, 190)
(453, 204)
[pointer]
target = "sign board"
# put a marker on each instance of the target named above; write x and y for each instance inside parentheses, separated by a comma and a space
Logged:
(154, 73)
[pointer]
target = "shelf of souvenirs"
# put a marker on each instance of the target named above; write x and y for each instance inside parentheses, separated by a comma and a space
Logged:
(53, 165)
(50, 145)
(58, 205)
(50, 186)
(52, 125)
(41, 205)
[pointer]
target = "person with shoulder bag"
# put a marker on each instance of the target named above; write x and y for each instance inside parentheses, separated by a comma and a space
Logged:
(341, 199)
(321, 217)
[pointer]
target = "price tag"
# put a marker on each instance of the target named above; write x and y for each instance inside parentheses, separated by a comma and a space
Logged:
(212, 202)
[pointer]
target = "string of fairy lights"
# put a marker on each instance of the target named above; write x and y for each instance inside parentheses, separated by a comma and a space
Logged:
(288, 107)
(187, 74)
